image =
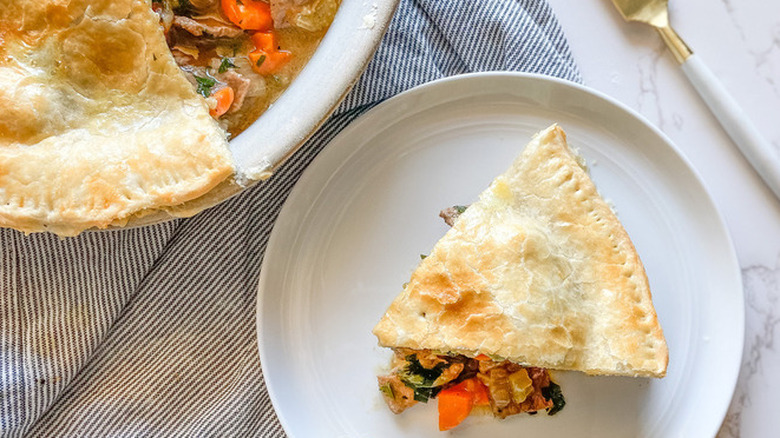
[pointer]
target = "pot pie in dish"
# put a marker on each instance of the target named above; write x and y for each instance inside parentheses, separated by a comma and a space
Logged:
(117, 109)
(537, 274)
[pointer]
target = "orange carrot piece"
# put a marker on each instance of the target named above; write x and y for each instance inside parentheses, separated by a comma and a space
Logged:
(248, 14)
(224, 97)
(267, 63)
(482, 357)
(454, 406)
(264, 40)
(267, 59)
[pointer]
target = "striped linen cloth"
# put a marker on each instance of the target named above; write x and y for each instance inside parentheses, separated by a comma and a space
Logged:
(151, 332)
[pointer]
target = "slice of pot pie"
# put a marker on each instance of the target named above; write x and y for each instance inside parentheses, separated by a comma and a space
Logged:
(98, 123)
(537, 274)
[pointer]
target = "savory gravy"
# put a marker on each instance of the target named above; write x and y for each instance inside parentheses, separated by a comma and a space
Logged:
(240, 55)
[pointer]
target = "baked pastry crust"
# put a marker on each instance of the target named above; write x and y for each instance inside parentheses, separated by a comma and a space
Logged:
(538, 271)
(98, 123)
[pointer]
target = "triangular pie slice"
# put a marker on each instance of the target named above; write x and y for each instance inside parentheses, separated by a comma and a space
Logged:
(98, 123)
(538, 272)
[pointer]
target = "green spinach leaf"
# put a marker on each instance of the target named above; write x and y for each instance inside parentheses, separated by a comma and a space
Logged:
(553, 392)
(225, 65)
(205, 84)
(422, 379)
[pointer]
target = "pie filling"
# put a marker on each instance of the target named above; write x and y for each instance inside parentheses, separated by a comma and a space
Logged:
(461, 384)
(242, 54)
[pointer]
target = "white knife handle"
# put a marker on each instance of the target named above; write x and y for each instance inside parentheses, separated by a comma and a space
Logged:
(758, 151)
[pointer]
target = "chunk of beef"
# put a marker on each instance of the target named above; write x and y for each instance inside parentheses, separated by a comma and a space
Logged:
(310, 15)
(207, 25)
(450, 215)
(397, 395)
(204, 6)
(240, 85)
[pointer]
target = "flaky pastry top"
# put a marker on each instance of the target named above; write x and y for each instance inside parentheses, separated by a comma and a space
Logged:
(538, 271)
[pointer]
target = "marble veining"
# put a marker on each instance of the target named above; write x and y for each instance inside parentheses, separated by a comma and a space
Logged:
(762, 295)
(763, 51)
(764, 57)
(648, 100)
(733, 17)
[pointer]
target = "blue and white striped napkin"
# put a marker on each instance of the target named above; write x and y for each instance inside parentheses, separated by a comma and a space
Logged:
(151, 332)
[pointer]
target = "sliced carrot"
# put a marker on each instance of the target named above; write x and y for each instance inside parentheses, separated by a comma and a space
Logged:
(267, 63)
(224, 97)
(482, 357)
(454, 406)
(267, 59)
(248, 14)
(264, 40)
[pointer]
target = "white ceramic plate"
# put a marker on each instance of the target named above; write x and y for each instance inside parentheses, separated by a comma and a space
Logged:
(352, 230)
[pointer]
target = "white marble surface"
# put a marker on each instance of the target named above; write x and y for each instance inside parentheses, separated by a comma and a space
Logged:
(740, 41)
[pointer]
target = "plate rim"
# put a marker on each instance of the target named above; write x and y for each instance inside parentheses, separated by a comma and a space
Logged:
(719, 220)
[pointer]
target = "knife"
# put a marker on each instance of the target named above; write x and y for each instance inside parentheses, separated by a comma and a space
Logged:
(758, 151)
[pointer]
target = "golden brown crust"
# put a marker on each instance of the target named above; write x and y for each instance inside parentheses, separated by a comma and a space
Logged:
(98, 122)
(538, 271)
